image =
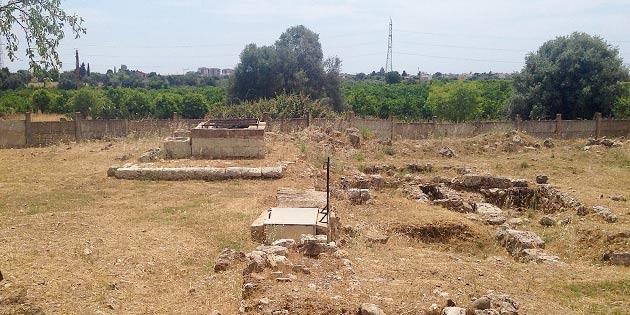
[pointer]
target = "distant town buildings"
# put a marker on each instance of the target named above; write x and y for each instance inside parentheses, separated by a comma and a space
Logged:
(213, 72)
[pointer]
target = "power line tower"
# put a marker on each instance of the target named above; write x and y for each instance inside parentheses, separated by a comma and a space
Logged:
(388, 63)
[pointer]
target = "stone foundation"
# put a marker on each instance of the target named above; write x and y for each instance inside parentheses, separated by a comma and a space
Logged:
(215, 142)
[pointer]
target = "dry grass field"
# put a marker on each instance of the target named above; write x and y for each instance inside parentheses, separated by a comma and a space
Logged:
(73, 241)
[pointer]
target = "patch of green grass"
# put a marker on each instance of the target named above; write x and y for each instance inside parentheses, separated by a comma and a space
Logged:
(600, 297)
(359, 157)
(524, 165)
(3, 208)
(365, 132)
(389, 150)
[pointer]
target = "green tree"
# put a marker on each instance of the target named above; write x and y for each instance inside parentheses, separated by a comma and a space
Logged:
(41, 100)
(137, 103)
(194, 106)
(393, 77)
(294, 64)
(42, 23)
(574, 75)
(88, 101)
(455, 101)
(621, 107)
(165, 104)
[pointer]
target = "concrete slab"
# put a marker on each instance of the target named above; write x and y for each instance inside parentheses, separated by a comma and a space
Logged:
(290, 223)
(295, 198)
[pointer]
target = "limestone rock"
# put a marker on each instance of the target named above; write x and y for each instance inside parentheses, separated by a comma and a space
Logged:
(354, 135)
(618, 198)
(618, 258)
(481, 303)
(452, 310)
(256, 262)
(538, 256)
(288, 243)
(605, 213)
(516, 241)
(548, 143)
(542, 179)
(150, 155)
(487, 209)
(226, 258)
(273, 249)
(111, 171)
(370, 309)
(547, 221)
(447, 152)
(313, 245)
(359, 196)
(475, 181)
(376, 238)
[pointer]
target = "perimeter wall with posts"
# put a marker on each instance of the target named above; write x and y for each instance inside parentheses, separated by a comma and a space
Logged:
(26, 133)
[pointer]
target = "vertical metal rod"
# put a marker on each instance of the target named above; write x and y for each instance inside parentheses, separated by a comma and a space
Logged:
(328, 184)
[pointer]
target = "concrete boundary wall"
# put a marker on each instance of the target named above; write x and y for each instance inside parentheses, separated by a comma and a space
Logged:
(12, 134)
(24, 133)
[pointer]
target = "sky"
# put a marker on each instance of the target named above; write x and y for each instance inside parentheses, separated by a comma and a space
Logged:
(449, 36)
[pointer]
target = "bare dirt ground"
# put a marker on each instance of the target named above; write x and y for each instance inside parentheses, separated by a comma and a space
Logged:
(73, 241)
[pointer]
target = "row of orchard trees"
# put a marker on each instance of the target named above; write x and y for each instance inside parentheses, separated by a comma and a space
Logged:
(115, 103)
(447, 100)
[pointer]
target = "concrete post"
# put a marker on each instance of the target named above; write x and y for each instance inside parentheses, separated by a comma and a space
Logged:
(175, 116)
(598, 125)
(266, 117)
(558, 125)
(519, 122)
(309, 119)
(27, 130)
(77, 127)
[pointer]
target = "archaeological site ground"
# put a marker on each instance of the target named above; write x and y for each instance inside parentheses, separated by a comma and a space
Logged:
(498, 223)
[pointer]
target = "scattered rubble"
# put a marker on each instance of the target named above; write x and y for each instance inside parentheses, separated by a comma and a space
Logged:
(548, 143)
(602, 142)
(226, 258)
(618, 198)
(150, 155)
(618, 258)
(605, 213)
(525, 246)
(359, 196)
(447, 152)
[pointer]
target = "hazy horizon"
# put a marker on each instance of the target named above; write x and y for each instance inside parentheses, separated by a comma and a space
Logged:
(169, 36)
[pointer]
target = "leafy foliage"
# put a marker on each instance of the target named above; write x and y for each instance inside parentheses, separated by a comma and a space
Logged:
(574, 75)
(294, 65)
(42, 23)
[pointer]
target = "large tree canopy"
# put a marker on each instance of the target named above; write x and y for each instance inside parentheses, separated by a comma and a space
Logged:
(576, 76)
(294, 64)
(42, 24)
